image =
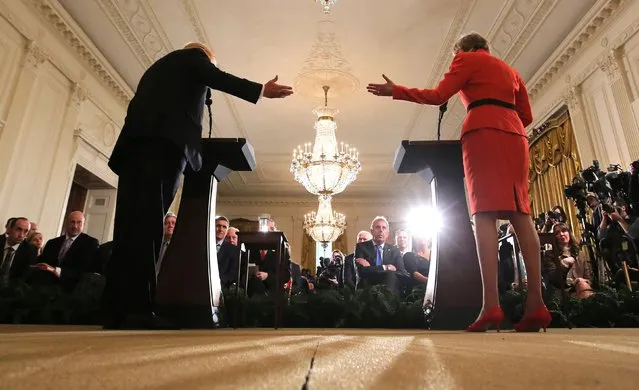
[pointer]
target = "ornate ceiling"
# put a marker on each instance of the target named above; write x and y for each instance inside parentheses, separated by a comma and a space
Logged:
(408, 40)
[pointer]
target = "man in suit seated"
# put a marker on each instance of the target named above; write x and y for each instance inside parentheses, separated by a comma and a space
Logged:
(350, 277)
(378, 262)
(67, 258)
(17, 254)
(228, 258)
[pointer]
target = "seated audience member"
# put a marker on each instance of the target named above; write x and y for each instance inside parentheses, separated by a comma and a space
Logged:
(350, 276)
(263, 278)
(378, 262)
(7, 224)
(556, 215)
(36, 239)
(231, 235)
(417, 262)
(67, 258)
(402, 241)
(228, 258)
(167, 233)
(17, 254)
(565, 266)
(33, 228)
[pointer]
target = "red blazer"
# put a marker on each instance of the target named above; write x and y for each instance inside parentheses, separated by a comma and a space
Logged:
(479, 75)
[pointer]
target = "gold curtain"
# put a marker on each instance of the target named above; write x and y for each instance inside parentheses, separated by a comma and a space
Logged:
(309, 250)
(342, 245)
(554, 161)
(308, 253)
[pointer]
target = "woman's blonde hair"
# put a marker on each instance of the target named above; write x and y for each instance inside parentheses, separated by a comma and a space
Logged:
(471, 42)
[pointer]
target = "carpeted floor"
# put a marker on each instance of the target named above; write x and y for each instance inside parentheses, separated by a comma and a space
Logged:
(40, 357)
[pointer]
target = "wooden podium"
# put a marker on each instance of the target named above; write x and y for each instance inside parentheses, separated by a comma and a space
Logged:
(189, 289)
(256, 241)
(454, 292)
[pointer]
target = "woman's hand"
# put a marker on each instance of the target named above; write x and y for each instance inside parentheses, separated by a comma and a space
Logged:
(382, 89)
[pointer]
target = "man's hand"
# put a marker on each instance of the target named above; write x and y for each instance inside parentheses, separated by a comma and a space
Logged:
(262, 275)
(390, 267)
(362, 262)
(45, 267)
(382, 89)
(273, 90)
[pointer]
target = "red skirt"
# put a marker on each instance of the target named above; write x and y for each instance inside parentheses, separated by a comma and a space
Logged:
(496, 168)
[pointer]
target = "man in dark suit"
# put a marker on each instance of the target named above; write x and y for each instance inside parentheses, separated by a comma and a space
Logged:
(67, 258)
(378, 262)
(161, 135)
(228, 259)
(17, 255)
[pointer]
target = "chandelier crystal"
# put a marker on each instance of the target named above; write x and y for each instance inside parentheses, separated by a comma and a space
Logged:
(325, 225)
(326, 5)
(325, 168)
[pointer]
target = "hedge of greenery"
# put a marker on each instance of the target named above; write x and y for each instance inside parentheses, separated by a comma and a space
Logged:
(374, 307)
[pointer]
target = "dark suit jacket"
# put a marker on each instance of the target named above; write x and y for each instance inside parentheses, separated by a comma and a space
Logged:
(25, 255)
(169, 102)
(390, 255)
(349, 271)
(78, 260)
(228, 260)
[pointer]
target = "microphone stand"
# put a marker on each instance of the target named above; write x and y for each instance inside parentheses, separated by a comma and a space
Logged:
(442, 110)
(208, 103)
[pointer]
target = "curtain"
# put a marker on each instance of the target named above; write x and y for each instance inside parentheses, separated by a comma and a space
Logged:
(554, 161)
(308, 253)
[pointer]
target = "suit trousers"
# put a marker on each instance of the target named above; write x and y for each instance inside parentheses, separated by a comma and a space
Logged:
(148, 181)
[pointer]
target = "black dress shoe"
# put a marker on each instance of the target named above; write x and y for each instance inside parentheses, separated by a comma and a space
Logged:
(141, 321)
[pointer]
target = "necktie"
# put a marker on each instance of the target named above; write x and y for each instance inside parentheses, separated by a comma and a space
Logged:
(378, 260)
(218, 247)
(65, 249)
(6, 265)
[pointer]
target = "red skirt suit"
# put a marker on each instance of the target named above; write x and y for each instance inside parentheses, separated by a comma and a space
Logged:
(493, 138)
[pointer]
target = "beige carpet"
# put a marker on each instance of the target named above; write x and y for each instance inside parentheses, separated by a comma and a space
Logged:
(39, 357)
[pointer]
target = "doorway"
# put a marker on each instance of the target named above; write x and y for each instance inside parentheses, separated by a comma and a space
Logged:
(96, 199)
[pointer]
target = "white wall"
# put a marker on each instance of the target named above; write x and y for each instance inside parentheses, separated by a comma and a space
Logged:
(56, 109)
(595, 72)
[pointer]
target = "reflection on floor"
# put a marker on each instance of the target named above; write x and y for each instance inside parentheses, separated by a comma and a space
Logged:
(37, 357)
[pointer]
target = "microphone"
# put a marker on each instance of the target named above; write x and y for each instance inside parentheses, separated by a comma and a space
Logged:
(208, 103)
(442, 110)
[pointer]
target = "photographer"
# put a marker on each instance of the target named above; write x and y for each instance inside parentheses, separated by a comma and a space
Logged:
(331, 275)
(557, 214)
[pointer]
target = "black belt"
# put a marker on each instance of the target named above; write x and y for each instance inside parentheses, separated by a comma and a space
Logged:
(492, 102)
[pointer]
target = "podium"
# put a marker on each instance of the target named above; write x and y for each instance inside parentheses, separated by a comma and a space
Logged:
(454, 291)
(189, 290)
(256, 241)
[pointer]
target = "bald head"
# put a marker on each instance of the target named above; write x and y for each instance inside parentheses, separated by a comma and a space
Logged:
(75, 223)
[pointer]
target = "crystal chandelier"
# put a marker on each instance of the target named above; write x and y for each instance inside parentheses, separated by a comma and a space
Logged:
(325, 168)
(325, 225)
(326, 5)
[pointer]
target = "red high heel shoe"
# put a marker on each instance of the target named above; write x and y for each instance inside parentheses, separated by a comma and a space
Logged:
(493, 316)
(539, 318)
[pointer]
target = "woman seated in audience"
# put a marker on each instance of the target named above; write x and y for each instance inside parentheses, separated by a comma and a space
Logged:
(565, 266)
(37, 240)
(417, 262)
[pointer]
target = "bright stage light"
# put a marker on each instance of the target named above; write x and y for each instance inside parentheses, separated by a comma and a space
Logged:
(424, 221)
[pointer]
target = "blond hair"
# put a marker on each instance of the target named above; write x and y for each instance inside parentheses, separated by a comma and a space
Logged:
(201, 46)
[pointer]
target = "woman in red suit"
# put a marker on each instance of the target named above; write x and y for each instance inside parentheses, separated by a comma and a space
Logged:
(495, 153)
